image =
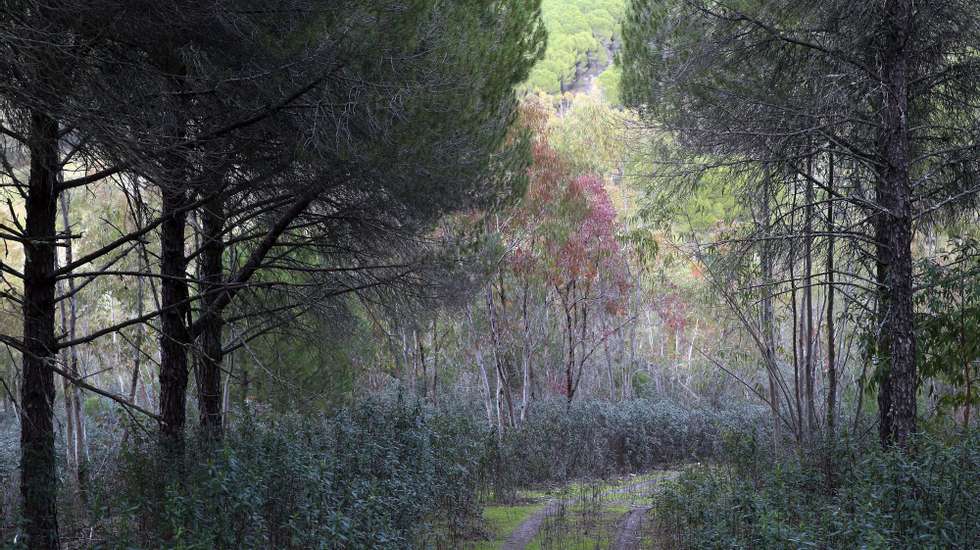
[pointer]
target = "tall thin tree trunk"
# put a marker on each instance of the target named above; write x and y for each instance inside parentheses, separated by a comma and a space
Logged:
(487, 392)
(213, 220)
(503, 383)
(794, 310)
(831, 341)
(435, 360)
(77, 446)
(140, 330)
(894, 194)
(174, 335)
(768, 316)
(808, 332)
(525, 353)
(39, 481)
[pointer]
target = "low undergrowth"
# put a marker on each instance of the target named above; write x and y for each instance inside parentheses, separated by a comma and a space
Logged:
(846, 497)
(378, 475)
(561, 442)
(384, 474)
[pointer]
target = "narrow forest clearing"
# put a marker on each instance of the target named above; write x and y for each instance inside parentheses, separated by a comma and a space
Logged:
(581, 515)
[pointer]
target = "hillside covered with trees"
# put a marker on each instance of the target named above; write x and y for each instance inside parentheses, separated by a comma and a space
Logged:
(489, 274)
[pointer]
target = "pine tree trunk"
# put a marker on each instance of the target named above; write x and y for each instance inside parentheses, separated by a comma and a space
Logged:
(213, 219)
(174, 338)
(39, 482)
(894, 195)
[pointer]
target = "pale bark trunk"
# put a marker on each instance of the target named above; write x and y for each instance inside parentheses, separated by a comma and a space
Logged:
(76, 444)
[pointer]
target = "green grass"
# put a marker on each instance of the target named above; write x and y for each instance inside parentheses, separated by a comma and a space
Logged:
(501, 522)
(591, 521)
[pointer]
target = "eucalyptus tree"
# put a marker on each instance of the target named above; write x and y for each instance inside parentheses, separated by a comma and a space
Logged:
(888, 88)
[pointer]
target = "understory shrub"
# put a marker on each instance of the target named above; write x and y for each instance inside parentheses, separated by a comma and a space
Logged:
(876, 499)
(379, 475)
(382, 474)
(590, 439)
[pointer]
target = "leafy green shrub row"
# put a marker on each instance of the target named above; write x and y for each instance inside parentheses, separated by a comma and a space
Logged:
(383, 474)
(376, 476)
(589, 439)
(877, 499)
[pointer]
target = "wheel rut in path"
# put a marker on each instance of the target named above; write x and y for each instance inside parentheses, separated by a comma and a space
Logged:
(524, 534)
(630, 533)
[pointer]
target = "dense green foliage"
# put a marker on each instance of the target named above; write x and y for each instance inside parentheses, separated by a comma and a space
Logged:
(949, 326)
(384, 473)
(580, 32)
(596, 439)
(881, 499)
(380, 474)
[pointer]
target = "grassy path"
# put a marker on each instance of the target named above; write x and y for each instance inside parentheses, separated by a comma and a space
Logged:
(524, 534)
(630, 531)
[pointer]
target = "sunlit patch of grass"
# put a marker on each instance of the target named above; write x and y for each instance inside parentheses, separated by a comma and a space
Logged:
(580, 529)
(500, 522)
(589, 519)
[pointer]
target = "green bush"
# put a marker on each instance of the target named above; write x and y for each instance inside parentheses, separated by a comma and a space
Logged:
(878, 499)
(380, 475)
(590, 439)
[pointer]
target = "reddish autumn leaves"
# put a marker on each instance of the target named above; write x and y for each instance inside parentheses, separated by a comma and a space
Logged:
(567, 225)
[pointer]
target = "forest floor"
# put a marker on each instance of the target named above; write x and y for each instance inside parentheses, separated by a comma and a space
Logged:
(578, 516)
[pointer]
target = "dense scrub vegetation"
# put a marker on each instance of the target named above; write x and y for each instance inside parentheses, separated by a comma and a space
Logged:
(388, 472)
(875, 499)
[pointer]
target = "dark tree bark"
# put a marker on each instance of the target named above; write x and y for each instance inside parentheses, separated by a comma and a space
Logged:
(174, 335)
(213, 219)
(831, 342)
(39, 482)
(894, 193)
(883, 373)
(808, 331)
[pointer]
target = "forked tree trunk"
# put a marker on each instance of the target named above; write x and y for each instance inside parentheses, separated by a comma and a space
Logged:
(503, 385)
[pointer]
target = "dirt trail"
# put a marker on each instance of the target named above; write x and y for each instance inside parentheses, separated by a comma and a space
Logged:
(631, 528)
(525, 532)
(630, 531)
